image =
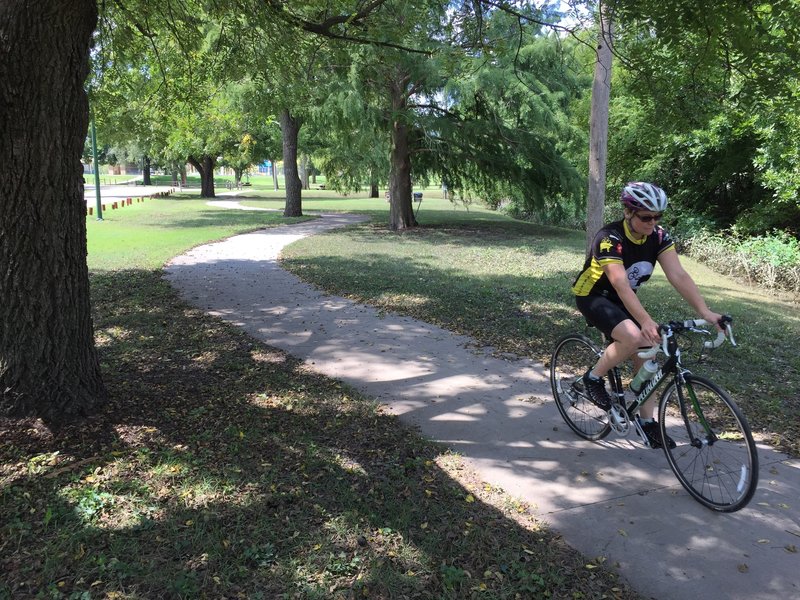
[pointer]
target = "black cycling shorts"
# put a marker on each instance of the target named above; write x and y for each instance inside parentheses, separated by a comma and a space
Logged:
(603, 313)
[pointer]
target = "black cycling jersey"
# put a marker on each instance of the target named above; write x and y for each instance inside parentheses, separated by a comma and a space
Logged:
(615, 243)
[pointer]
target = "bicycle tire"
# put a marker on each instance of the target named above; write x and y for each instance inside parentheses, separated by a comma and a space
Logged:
(719, 469)
(573, 355)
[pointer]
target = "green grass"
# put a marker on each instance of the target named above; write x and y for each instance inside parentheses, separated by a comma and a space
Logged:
(147, 234)
(223, 468)
(108, 179)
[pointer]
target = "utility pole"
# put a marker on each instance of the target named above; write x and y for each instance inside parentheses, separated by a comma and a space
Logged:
(598, 128)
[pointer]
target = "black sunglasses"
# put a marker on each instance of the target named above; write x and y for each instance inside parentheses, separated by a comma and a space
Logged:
(649, 218)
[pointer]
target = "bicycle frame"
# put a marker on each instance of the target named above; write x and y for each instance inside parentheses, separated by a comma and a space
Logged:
(672, 366)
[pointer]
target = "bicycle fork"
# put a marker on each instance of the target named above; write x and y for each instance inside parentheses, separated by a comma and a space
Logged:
(710, 436)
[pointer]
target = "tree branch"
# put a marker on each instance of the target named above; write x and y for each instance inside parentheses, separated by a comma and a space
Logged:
(325, 27)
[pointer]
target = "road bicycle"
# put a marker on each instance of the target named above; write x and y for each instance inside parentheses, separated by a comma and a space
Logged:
(714, 456)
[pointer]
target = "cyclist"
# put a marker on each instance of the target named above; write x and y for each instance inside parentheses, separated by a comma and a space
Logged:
(622, 258)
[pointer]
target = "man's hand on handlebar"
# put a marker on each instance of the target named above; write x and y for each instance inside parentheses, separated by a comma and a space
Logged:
(650, 331)
(712, 317)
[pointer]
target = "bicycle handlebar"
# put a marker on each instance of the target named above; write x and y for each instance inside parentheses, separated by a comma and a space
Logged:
(667, 329)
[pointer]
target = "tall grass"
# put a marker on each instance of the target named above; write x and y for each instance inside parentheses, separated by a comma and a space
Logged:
(770, 260)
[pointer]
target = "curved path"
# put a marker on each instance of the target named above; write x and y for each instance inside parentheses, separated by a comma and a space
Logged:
(613, 499)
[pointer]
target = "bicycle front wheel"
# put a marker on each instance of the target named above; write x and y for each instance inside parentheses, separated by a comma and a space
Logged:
(573, 355)
(715, 456)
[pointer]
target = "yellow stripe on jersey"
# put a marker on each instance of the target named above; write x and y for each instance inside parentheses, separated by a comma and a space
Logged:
(589, 277)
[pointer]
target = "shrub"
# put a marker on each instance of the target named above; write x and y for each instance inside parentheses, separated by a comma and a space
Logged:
(770, 260)
(778, 249)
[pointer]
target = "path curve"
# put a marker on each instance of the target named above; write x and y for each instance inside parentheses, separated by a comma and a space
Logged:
(613, 499)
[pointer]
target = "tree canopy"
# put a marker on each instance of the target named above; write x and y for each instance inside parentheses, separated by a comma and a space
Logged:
(489, 96)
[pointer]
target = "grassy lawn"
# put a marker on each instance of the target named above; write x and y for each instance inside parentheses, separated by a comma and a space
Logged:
(221, 468)
(108, 179)
(145, 235)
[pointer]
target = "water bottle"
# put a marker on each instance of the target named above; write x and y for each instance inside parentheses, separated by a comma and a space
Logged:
(646, 373)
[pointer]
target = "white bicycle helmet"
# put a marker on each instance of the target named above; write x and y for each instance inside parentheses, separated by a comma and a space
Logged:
(638, 195)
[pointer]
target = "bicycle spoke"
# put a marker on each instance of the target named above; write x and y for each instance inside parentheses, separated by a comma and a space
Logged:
(715, 457)
(573, 356)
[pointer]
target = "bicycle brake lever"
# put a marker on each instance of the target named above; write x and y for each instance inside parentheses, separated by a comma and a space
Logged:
(729, 331)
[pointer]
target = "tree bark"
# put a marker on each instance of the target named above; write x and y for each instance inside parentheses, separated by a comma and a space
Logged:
(598, 128)
(373, 185)
(146, 171)
(290, 127)
(205, 167)
(304, 171)
(274, 164)
(48, 362)
(401, 210)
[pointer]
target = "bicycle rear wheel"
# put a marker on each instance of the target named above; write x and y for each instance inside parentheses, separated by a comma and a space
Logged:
(715, 456)
(573, 355)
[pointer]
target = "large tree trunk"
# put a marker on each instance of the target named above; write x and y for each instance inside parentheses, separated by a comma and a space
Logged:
(274, 164)
(598, 129)
(373, 185)
(290, 127)
(205, 167)
(48, 362)
(401, 210)
(304, 163)
(146, 171)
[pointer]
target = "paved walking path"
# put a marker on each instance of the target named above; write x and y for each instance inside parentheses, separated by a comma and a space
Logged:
(116, 193)
(613, 499)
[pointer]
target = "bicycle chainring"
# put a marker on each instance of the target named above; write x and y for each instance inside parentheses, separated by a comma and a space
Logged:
(618, 419)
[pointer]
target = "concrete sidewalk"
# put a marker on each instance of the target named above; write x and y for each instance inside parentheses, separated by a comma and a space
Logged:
(114, 193)
(613, 499)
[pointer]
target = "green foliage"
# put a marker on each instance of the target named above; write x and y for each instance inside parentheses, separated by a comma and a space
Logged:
(503, 135)
(705, 98)
(683, 225)
(770, 260)
(778, 249)
(705, 103)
